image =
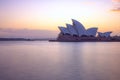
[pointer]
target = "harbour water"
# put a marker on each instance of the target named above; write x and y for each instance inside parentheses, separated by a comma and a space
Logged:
(43, 60)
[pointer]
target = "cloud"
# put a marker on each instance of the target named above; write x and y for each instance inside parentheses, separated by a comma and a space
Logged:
(116, 9)
(116, 0)
(27, 33)
(116, 6)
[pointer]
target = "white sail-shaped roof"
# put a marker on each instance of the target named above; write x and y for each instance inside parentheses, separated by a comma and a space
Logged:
(105, 34)
(100, 34)
(64, 30)
(71, 29)
(92, 31)
(79, 27)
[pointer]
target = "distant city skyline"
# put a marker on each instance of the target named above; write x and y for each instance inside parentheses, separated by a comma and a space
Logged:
(47, 15)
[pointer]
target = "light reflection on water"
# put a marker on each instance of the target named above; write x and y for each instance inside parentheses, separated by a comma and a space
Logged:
(42, 60)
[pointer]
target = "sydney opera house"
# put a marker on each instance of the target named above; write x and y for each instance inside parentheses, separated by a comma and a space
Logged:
(77, 32)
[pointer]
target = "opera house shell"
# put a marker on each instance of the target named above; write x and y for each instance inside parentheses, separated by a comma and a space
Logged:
(77, 29)
(105, 34)
(77, 32)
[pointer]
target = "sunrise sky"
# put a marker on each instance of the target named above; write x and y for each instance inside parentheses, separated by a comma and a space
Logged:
(48, 14)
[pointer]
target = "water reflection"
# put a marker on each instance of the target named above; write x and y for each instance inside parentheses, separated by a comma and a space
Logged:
(59, 61)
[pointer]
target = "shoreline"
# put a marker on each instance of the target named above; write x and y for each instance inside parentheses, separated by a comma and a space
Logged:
(21, 39)
(84, 41)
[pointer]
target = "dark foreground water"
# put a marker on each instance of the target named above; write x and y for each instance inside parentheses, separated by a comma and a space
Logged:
(42, 60)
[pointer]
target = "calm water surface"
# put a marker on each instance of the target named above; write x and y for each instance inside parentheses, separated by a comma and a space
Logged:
(42, 60)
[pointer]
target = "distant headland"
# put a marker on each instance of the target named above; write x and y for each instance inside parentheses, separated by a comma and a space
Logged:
(22, 39)
(78, 33)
